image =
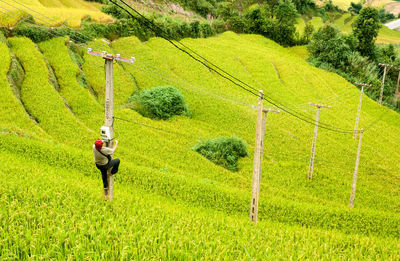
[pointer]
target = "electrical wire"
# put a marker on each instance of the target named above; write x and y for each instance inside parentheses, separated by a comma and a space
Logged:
(160, 129)
(149, 24)
(322, 125)
(152, 127)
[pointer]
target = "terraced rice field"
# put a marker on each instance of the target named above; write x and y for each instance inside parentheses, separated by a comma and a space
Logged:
(170, 202)
(56, 12)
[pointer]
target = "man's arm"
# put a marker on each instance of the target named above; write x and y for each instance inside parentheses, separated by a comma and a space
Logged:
(115, 146)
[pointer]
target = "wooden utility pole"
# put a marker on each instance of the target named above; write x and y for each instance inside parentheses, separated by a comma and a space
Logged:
(359, 107)
(258, 155)
(314, 143)
(383, 81)
(108, 129)
(353, 186)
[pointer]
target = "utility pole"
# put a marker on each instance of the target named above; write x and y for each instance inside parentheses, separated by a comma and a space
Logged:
(264, 124)
(107, 131)
(359, 107)
(258, 155)
(353, 186)
(255, 190)
(314, 143)
(397, 94)
(383, 81)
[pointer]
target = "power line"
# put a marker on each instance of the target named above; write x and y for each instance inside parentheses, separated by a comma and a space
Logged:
(152, 127)
(323, 125)
(149, 24)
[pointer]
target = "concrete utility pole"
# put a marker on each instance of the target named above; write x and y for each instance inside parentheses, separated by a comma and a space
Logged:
(397, 94)
(359, 106)
(258, 155)
(107, 131)
(383, 81)
(314, 143)
(353, 186)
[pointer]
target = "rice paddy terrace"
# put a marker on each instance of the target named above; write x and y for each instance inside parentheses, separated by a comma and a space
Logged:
(169, 201)
(57, 12)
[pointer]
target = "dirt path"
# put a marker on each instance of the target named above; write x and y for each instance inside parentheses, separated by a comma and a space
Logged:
(394, 24)
(393, 8)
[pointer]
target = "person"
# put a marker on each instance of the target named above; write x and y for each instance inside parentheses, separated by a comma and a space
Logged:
(103, 161)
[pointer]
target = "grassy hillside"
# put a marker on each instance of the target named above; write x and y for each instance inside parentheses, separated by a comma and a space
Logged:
(345, 24)
(344, 4)
(172, 203)
(56, 12)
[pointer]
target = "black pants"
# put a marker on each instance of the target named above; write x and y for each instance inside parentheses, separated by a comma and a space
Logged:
(104, 168)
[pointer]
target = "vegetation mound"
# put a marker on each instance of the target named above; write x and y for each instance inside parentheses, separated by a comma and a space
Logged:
(160, 103)
(223, 151)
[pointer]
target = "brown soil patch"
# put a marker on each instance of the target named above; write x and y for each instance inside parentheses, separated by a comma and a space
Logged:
(393, 8)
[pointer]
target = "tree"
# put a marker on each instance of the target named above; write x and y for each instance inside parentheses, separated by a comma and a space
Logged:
(308, 32)
(366, 29)
(285, 19)
(225, 11)
(329, 47)
(304, 5)
(355, 8)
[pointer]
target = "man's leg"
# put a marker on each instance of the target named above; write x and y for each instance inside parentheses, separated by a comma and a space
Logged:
(114, 164)
(103, 170)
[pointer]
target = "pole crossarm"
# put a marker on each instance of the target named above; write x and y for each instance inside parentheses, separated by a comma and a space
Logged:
(318, 105)
(270, 110)
(386, 65)
(363, 84)
(117, 57)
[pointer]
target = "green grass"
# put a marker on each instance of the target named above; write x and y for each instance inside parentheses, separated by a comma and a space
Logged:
(345, 24)
(13, 117)
(71, 12)
(42, 100)
(82, 103)
(300, 51)
(172, 203)
(45, 202)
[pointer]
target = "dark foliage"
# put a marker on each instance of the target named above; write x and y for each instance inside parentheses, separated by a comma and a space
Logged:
(161, 102)
(223, 151)
(366, 29)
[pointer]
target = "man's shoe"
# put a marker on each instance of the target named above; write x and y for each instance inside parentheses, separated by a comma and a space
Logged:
(105, 193)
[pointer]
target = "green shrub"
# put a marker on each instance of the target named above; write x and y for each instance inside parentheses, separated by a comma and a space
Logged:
(161, 102)
(36, 33)
(223, 151)
(3, 39)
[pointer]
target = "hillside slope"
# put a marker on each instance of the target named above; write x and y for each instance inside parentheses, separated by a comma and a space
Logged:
(345, 24)
(51, 12)
(160, 172)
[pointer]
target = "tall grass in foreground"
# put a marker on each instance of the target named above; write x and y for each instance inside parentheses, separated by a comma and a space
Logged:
(50, 212)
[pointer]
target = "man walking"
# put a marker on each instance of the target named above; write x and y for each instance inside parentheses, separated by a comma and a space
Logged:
(102, 158)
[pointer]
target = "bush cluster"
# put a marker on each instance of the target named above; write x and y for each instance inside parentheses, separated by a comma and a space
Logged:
(274, 20)
(354, 59)
(223, 151)
(198, 193)
(161, 102)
